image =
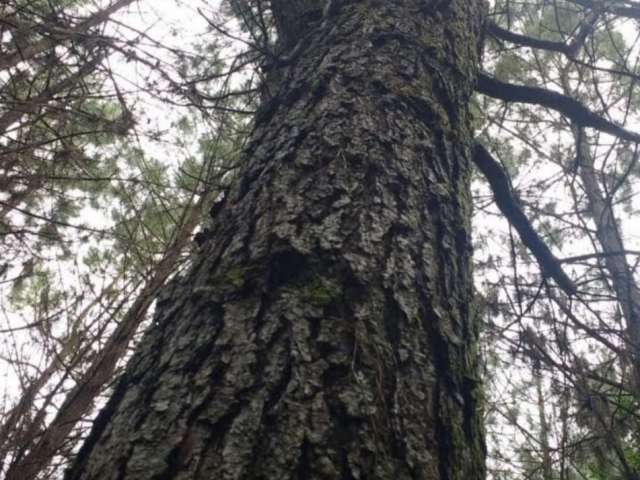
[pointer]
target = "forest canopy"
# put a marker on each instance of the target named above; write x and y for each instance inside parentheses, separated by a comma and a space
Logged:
(122, 129)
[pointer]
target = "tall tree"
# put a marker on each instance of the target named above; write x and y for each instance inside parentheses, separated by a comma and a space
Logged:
(326, 328)
(578, 186)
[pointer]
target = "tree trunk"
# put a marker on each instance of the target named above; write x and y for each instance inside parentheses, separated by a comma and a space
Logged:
(615, 260)
(326, 330)
(545, 450)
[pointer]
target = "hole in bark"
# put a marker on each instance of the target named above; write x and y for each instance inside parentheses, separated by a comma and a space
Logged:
(286, 267)
(468, 387)
(303, 472)
(335, 374)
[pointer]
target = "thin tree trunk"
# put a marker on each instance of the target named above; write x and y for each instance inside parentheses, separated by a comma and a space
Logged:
(20, 429)
(326, 330)
(547, 466)
(565, 473)
(25, 49)
(19, 108)
(621, 274)
(11, 427)
(81, 398)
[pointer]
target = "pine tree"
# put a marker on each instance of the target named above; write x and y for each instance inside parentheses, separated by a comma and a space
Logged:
(326, 329)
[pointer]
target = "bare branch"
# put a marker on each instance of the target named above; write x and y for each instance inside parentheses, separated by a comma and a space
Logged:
(510, 207)
(568, 106)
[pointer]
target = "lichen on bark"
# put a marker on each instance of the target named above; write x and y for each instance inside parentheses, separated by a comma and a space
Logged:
(326, 329)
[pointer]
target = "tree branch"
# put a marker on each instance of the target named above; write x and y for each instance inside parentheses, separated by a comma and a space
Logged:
(631, 11)
(569, 107)
(570, 49)
(525, 40)
(511, 209)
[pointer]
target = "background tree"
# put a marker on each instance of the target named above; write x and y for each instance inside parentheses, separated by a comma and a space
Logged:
(585, 348)
(94, 219)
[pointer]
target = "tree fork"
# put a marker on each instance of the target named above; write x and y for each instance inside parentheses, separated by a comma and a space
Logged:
(326, 330)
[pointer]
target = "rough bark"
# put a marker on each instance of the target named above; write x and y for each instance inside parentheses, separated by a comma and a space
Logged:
(326, 330)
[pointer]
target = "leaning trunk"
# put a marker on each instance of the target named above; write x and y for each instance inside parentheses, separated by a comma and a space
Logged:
(615, 260)
(325, 330)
